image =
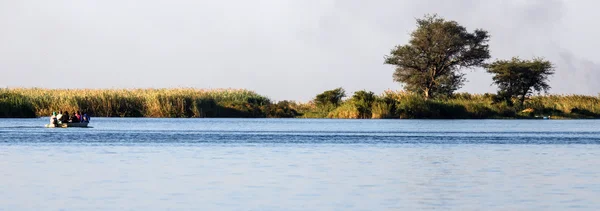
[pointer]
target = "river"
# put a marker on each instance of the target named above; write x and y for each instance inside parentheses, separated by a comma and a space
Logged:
(300, 164)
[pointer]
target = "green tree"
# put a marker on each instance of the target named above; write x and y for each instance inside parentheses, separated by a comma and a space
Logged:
(430, 63)
(520, 78)
(330, 97)
(282, 109)
(363, 101)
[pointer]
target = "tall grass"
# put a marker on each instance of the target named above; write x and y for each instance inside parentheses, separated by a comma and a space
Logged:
(15, 106)
(345, 111)
(406, 105)
(188, 102)
(568, 106)
(143, 102)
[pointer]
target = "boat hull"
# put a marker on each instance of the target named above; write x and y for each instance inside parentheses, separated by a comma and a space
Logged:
(65, 125)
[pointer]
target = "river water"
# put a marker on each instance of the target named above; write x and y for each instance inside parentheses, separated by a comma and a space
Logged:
(300, 164)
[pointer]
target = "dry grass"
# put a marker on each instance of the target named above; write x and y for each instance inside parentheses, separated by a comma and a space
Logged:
(188, 102)
(183, 102)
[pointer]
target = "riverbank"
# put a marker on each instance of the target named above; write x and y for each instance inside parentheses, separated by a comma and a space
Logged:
(405, 105)
(221, 103)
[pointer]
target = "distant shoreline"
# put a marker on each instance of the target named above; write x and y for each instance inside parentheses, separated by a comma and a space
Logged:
(241, 103)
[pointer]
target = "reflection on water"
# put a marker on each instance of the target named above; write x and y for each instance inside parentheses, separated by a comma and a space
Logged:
(250, 164)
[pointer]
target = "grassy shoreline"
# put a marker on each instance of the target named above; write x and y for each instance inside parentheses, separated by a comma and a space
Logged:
(222, 103)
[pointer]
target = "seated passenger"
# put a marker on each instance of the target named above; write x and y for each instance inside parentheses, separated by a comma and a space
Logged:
(73, 119)
(53, 119)
(65, 117)
(59, 117)
(86, 118)
(78, 115)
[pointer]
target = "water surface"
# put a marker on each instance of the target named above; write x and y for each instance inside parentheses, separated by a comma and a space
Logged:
(300, 164)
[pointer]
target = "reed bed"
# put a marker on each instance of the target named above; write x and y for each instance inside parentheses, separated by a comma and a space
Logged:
(406, 105)
(189, 102)
(15, 105)
(183, 102)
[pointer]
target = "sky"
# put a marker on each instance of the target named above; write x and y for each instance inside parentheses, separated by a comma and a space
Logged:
(283, 49)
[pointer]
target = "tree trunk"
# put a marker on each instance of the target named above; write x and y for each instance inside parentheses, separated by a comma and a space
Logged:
(522, 100)
(430, 86)
(427, 93)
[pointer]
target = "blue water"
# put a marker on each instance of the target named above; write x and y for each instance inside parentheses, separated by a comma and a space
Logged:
(300, 164)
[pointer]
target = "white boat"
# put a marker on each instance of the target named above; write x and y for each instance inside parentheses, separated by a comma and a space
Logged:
(69, 124)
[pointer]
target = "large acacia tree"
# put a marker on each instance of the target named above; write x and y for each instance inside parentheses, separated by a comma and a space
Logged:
(430, 63)
(520, 78)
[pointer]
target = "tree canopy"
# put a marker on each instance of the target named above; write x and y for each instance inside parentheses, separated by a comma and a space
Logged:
(363, 100)
(430, 63)
(520, 78)
(330, 97)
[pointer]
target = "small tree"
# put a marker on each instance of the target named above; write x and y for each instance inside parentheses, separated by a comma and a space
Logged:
(283, 109)
(363, 100)
(330, 97)
(429, 64)
(520, 78)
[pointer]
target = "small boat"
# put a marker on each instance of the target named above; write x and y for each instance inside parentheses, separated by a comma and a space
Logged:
(69, 124)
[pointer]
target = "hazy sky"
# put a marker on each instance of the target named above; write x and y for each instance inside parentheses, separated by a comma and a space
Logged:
(284, 49)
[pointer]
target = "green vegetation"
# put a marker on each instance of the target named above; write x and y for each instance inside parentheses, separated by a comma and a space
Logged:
(242, 103)
(428, 67)
(430, 63)
(409, 105)
(324, 103)
(15, 105)
(135, 102)
(520, 78)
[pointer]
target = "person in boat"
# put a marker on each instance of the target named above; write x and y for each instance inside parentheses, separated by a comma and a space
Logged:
(53, 119)
(78, 116)
(65, 117)
(59, 117)
(74, 118)
(86, 118)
